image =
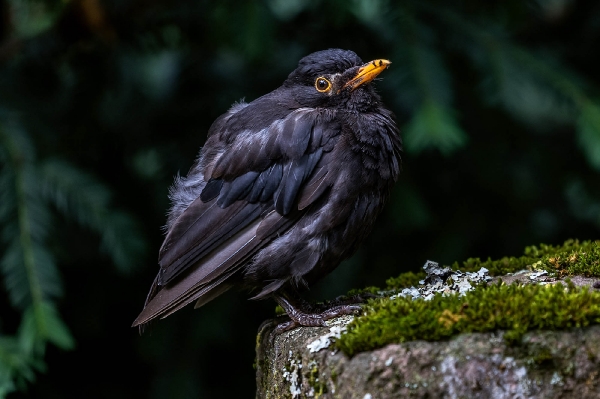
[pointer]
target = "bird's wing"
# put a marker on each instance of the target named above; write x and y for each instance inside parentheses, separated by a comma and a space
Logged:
(257, 187)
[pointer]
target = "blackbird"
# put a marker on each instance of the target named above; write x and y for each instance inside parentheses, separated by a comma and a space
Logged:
(285, 188)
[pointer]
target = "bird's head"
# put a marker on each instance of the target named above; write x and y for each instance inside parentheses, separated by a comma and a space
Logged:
(334, 77)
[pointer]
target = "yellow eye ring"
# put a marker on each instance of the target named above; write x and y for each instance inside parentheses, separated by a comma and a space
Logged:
(322, 84)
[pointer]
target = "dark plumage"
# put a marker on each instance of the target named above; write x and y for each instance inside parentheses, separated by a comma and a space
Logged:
(284, 189)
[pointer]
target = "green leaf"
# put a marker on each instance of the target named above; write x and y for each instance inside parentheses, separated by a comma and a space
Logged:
(15, 274)
(422, 76)
(434, 126)
(28, 268)
(582, 204)
(368, 11)
(29, 271)
(42, 323)
(588, 133)
(121, 240)
(511, 77)
(75, 193)
(30, 18)
(16, 366)
(286, 9)
(54, 329)
(30, 274)
(29, 335)
(78, 195)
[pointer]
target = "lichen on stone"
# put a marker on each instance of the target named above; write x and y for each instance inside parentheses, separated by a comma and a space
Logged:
(292, 374)
(443, 280)
(335, 332)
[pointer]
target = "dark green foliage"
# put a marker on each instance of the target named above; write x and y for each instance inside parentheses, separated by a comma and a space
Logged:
(28, 266)
(78, 195)
(514, 308)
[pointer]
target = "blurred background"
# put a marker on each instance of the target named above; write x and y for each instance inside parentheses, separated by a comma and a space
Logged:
(103, 102)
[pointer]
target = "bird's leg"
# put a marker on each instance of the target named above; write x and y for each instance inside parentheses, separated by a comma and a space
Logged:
(302, 317)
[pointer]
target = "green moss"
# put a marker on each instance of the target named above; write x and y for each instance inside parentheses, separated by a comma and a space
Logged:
(581, 261)
(514, 308)
(319, 387)
(334, 376)
(497, 267)
(552, 258)
(571, 258)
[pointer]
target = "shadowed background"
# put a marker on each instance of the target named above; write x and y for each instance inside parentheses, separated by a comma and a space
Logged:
(103, 102)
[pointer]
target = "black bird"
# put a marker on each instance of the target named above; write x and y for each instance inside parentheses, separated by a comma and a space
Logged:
(284, 189)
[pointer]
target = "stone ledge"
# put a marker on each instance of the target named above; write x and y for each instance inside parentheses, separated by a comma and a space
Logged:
(546, 364)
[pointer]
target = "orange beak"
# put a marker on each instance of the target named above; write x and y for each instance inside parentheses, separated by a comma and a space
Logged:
(367, 73)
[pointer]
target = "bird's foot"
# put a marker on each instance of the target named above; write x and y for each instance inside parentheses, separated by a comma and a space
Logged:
(301, 318)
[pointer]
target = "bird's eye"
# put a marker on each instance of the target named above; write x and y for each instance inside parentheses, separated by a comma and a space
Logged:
(322, 84)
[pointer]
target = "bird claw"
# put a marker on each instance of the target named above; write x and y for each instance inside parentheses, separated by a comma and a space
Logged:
(283, 327)
(341, 310)
(301, 318)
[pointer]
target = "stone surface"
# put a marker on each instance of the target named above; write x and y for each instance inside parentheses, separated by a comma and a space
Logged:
(547, 364)
(302, 363)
